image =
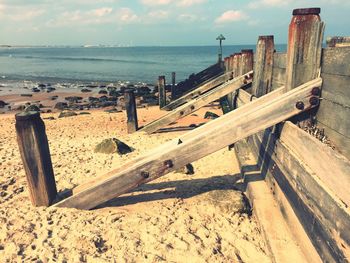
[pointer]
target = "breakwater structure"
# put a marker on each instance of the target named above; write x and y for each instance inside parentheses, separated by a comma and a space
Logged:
(287, 116)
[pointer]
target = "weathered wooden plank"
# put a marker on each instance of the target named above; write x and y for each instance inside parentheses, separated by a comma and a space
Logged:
(173, 81)
(321, 159)
(199, 91)
(341, 142)
(199, 102)
(35, 154)
(304, 47)
(335, 116)
(239, 126)
(262, 81)
(278, 76)
(275, 215)
(280, 60)
(336, 61)
(323, 215)
(336, 86)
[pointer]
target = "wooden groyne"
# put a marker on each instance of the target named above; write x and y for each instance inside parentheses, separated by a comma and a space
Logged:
(288, 118)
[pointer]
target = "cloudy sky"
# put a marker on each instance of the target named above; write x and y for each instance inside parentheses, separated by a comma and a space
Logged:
(157, 22)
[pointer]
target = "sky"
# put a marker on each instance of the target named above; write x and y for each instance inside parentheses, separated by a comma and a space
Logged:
(158, 22)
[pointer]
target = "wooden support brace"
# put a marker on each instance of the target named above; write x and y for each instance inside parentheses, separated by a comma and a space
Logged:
(161, 91)
(199, 91)
(199, 102)
(35, 154)
(259, 115)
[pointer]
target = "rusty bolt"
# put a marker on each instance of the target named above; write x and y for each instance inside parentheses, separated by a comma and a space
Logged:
(181, 113)
(314, 101)
(192, 107)
(316, 91)
(299, 105)
(246, 76)
(145, 174)
(251, 75)
(245, 81)
(169, 163)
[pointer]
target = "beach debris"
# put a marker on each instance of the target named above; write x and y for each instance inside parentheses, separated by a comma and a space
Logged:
(53, 97)
(210, 115)
(65, 114)
(2, 104)
(35, 90)
(103, 91)
(86, 90)
(143, 90)
(49, 118)
(84, 113)
(115, 110)
(113, 145)
(73, 99)
(32, 108)
(61, 105)
(114, 93)
(187, 169)
(41, 86)
(50, 89)
(103, 98)
(26, 95)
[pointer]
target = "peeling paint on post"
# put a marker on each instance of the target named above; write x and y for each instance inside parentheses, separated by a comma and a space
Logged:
(304, 46)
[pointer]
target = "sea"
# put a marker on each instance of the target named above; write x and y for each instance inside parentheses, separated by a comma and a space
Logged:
(73, 66)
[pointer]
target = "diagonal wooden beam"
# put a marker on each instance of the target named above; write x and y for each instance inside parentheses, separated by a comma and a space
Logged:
(199, 91)
(199, 102)
(236, 125)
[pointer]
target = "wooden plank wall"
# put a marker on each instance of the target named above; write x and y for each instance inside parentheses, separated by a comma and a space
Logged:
(334, 112)
(279, 70)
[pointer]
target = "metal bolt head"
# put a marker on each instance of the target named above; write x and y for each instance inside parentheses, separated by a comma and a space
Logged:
(145, 174)
(169, 163)
(314, 101)
(316, 91)
(245, 81)
(299, 105)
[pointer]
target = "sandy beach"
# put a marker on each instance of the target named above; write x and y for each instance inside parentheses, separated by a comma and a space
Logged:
(177, 218)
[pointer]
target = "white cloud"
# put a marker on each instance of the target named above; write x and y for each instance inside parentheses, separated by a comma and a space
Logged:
(270, 3)
(126, 15)
(231, 16)
(100, 12)
(156, 2)
(19, 13)
(158, 14)
(187, 18)
(190, 2)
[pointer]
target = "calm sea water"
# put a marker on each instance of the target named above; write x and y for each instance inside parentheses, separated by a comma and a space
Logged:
(134, 64)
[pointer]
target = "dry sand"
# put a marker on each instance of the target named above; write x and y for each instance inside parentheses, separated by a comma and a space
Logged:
(176, 218)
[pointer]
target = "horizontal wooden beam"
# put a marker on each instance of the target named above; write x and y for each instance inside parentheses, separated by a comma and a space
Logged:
(199, 91)
(237, 125)
(199, 102)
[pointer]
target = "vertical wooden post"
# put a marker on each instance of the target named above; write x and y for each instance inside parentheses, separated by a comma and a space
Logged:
(304, 46)
(236, 68)
(226, 60)
(35, 154)
(246, 61)
(263, 66)
(173, 81)
(131, 111)
(161, 91)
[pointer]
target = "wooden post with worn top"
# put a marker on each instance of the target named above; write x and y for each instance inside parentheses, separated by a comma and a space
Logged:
(161, 91)
(304, 47)
(35, 154)
(131, 111)
(263, 66)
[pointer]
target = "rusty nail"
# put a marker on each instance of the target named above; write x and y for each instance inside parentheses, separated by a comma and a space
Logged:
(145, 174)
(169, 163)
(316, 91)
(299, 105)
(314, 101)
(245, 81)
(192, 107)
(181, 113)
(246, 76)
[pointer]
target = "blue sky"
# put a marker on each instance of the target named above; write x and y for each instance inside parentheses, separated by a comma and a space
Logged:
(157, 22)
